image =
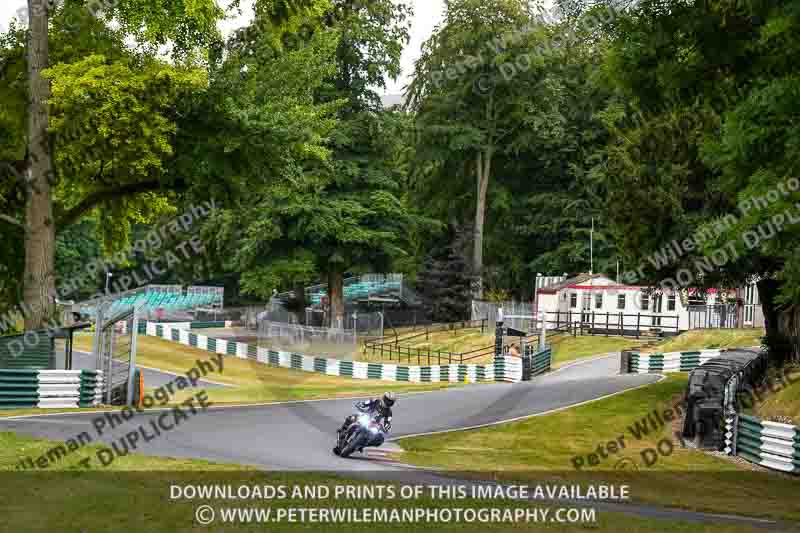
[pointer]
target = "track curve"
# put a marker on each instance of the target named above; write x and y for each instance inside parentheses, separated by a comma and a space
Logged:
(300, 435)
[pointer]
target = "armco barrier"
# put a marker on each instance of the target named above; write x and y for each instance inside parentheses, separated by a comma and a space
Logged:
(507, 369)
(769, 444)
(33, 350)
(669, 362)
(20, 389)
(182, 325)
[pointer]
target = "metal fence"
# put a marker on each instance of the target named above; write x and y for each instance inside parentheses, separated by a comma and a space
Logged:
(295, 338)
(115, 352)
(400, 347)
(519, 316)
(721, 316)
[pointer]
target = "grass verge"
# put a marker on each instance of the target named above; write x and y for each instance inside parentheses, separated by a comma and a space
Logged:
(783, 405)
(710, 338)
(567, 349)
(254, 382)
(551, 446)
(134, 494)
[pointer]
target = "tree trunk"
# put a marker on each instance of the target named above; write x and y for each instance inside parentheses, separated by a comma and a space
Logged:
(778, 321)
(336, 296)
(483, 166)
(789, 325)
(39, 282)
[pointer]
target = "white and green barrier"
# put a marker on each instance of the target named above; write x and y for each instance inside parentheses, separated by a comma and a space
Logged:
(183, 325)
(508, 369)
(670, 362)
(769, 444)
(21, 389)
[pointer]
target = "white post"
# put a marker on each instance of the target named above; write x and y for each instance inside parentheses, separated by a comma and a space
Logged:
(542, 332)
(591, 249)
(132, 367)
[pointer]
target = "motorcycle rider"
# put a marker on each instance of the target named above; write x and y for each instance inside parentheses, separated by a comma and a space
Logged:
(380, 411)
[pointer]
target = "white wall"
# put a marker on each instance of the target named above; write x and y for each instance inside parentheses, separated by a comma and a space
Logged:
(610, 303)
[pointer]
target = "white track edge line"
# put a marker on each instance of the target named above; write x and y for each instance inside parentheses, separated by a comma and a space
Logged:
(526, 417)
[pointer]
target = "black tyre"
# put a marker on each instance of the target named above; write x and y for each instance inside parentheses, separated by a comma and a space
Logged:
(337, 451)
(352, 445)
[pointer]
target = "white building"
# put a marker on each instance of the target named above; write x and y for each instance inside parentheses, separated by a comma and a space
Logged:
(599, 302)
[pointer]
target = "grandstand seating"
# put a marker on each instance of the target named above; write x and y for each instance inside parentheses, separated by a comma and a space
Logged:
(360, 288)
(153, 299)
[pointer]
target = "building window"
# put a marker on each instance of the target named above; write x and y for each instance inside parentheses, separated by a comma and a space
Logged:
(621, 302)
(573, 300)
(671, 302)
(645, 302)
(598, 300)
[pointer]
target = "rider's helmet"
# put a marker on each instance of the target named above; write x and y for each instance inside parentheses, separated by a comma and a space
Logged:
(387, 401)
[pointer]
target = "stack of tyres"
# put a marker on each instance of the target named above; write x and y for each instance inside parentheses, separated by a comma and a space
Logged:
(705, 394)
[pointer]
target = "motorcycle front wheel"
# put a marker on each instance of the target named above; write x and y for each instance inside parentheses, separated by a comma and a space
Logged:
(353, 443)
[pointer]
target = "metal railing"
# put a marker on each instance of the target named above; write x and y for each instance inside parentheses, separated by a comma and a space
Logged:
(769, 444)
(396, 347)
(614, 324)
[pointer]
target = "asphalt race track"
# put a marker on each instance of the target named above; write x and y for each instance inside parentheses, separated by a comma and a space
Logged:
(300, 435)
(152, 378)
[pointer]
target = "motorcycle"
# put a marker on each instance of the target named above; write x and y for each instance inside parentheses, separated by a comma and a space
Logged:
(357, 435)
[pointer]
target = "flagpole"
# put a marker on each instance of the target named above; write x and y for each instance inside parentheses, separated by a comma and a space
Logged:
(591, 249)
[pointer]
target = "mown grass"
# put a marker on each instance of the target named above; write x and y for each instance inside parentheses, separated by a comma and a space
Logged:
(710, 338)
(565, 347)
(254, 382)
(783, 405)
(134, 494)
(548, 447)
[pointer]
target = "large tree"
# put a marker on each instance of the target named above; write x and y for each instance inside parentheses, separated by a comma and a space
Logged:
(39, 226)
(50, 201)
(109, 148)
(343, 210)
(703, 127)
(480, 91)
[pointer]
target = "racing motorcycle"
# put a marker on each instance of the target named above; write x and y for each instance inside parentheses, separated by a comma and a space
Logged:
(357, 436)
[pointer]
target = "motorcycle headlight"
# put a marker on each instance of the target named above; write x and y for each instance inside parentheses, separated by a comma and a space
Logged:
(364, 420)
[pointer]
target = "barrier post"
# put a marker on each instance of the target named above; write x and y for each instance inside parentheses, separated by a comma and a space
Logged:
(542, 332)
(132, 367)
(498, 335)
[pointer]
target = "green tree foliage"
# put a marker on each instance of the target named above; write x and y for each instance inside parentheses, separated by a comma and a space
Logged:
(116, 113)
(341, 209)
(483, 92)
(444, 281)
(709, 129)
